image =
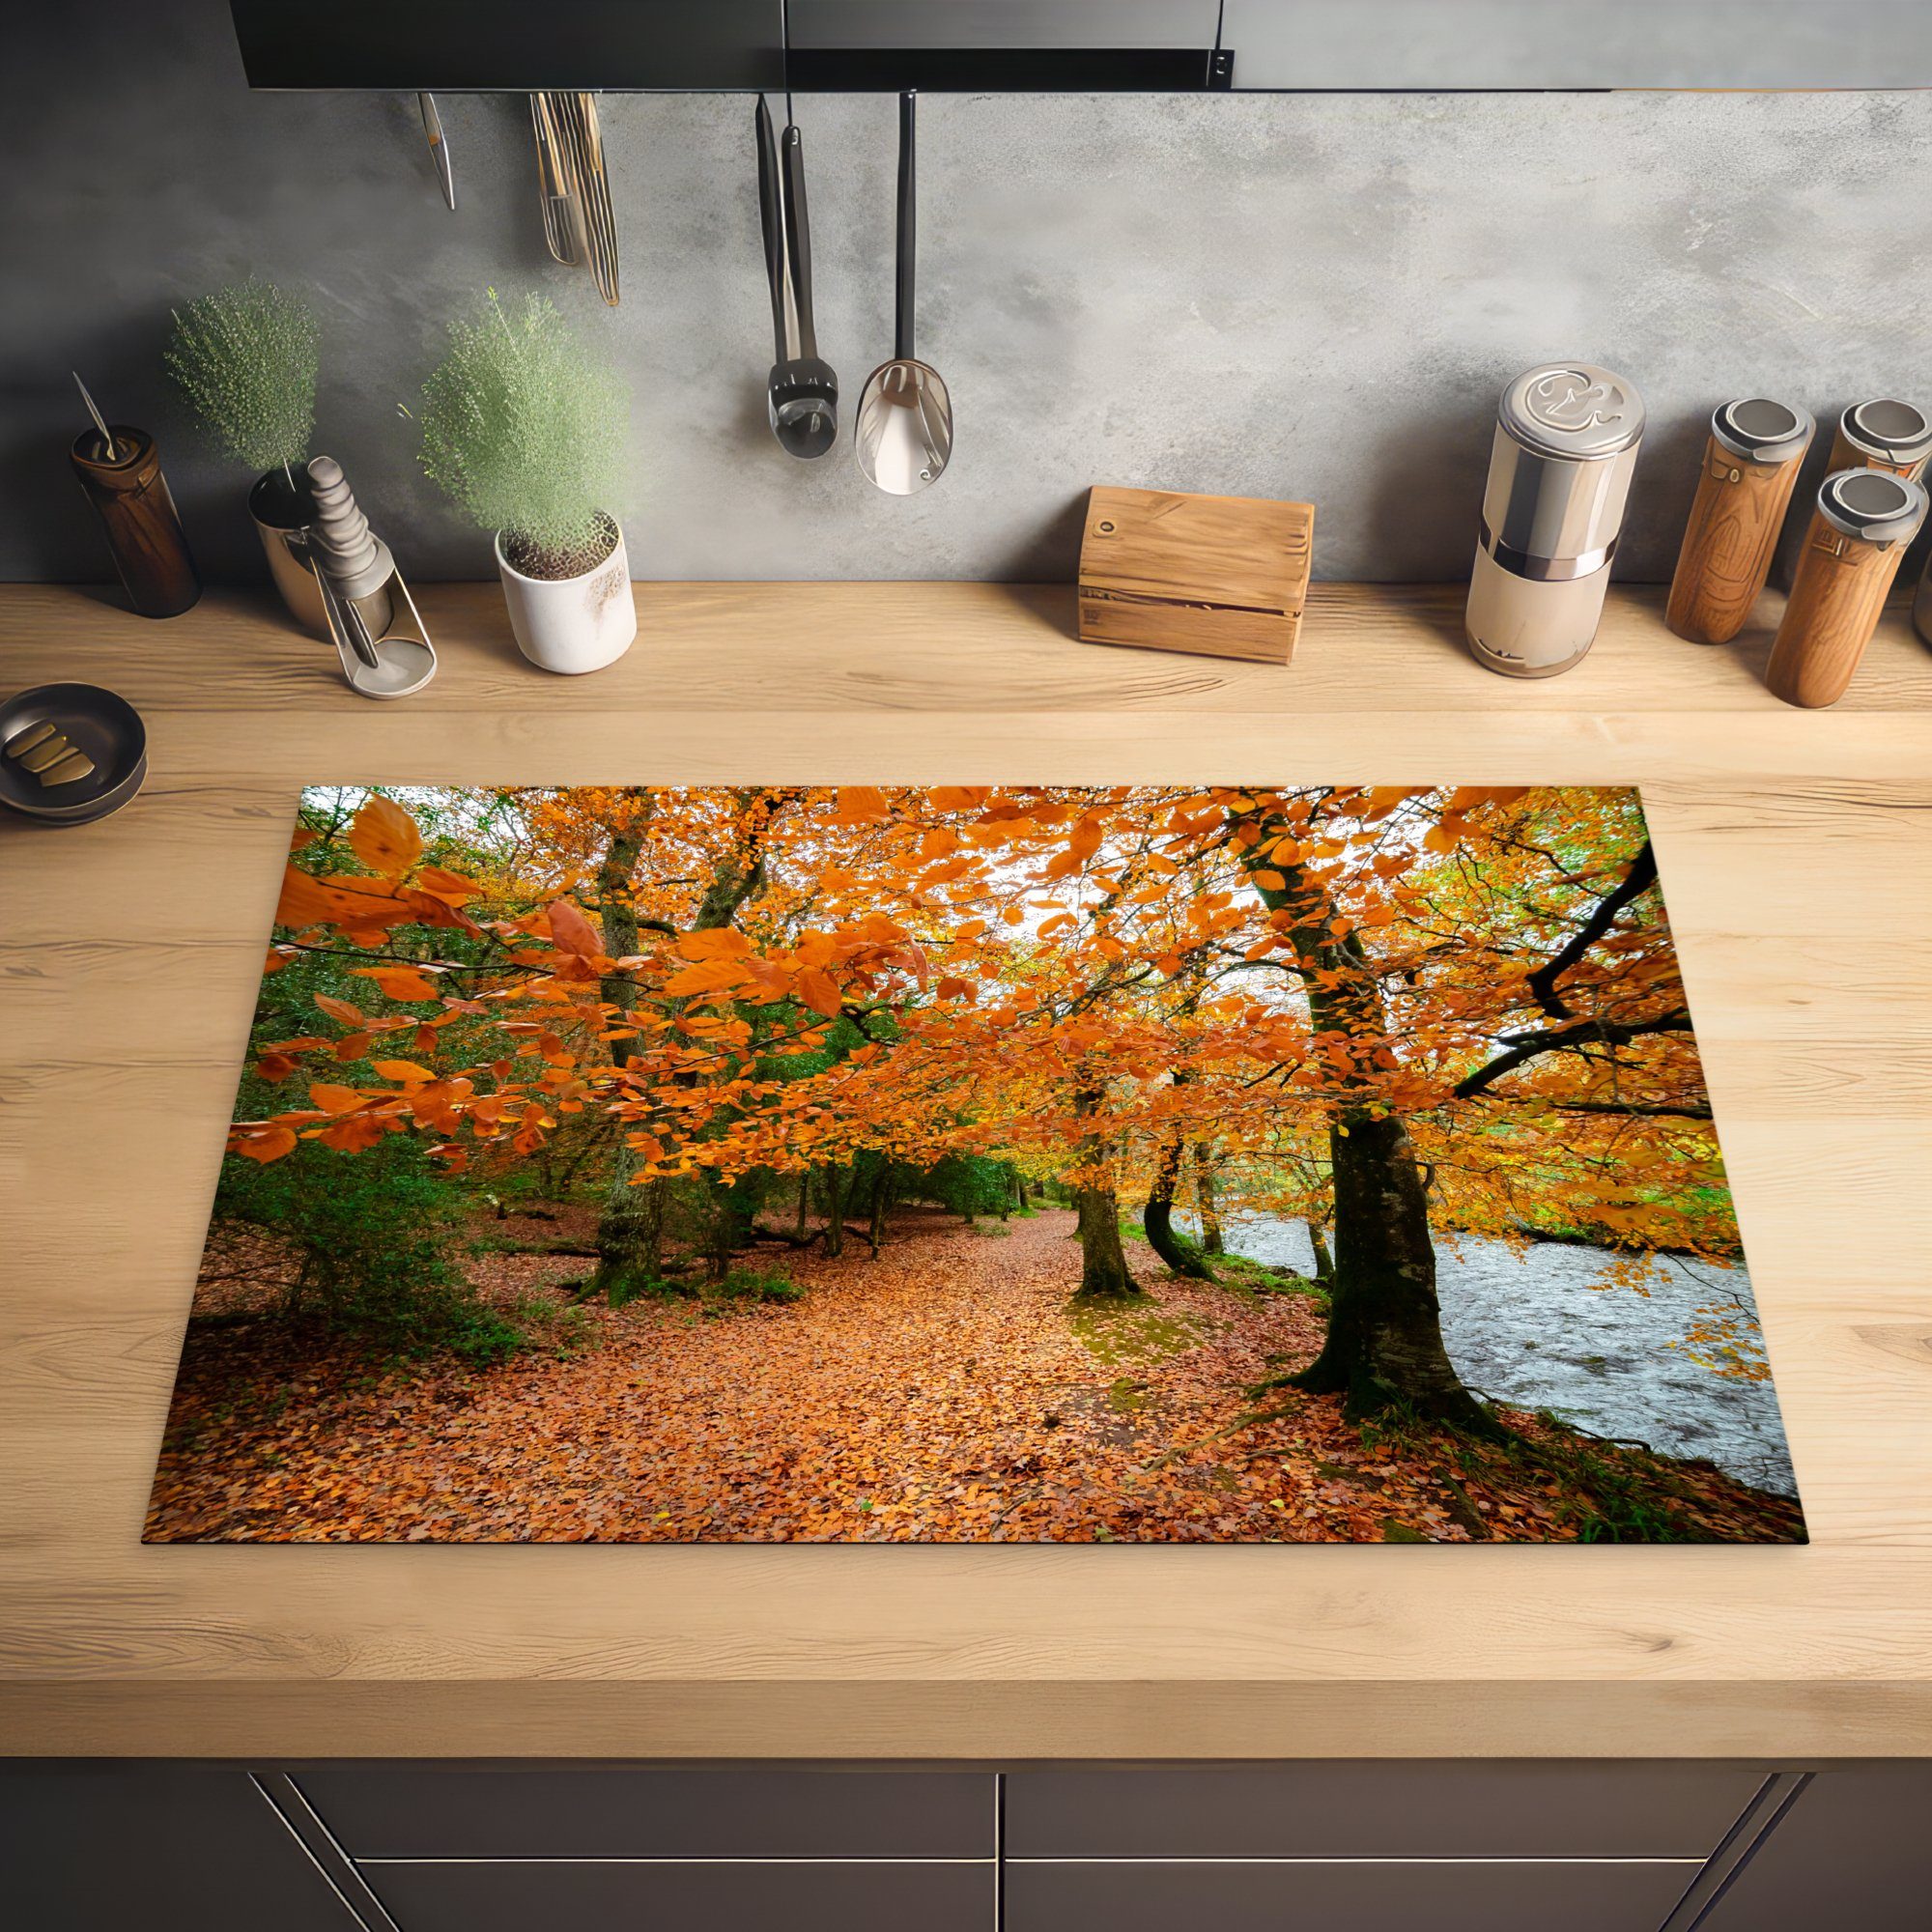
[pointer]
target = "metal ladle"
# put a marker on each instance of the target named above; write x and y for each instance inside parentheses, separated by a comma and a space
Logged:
(903, 434)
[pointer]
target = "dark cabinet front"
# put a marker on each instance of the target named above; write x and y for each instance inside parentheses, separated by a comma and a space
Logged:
(1305, 1895)
(1375, 1847)
(153, 1848)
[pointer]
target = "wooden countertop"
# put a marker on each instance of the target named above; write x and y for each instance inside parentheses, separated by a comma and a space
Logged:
(1797, 850)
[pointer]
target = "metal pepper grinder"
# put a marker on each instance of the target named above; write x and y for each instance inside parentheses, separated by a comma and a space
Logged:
(1566, 442)
(1750, 467)
(1859, 530)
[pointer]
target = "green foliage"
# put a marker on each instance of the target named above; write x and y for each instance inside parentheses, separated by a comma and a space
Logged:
(524, 429)
(371, 1237)
(752, 1283)
(969, 1184)
(245, 358)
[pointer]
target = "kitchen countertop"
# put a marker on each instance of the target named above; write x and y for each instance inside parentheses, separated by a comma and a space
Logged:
(1796, 851)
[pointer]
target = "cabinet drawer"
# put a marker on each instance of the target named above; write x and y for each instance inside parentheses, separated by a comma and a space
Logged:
(457, 1811)
(160, 1847)
(1522, 1896)
(1348, 1811)
(1854, 1850)
(661, 1896)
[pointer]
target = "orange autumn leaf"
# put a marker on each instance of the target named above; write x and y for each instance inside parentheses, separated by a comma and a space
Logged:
(353, 904)
(721, 942)
(571, 932)
(401, 1069)
(266, 1143)
(860, 805)
(401, 983)
(335, 1099)
(707, 976)
(442, 884)
(341, 1009)
(815, 987)
(385, 836)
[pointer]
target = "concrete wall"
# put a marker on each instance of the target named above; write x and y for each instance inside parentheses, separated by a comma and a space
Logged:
(1313, 295)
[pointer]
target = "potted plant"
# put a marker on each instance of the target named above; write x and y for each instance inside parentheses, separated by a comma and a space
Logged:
(245, 359)
(524, 429)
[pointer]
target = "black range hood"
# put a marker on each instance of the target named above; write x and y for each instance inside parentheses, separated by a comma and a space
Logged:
(823, 47)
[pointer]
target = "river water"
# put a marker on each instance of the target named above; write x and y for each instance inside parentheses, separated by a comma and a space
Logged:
(1532, 1328)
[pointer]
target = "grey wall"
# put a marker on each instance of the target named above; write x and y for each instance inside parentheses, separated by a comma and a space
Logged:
(1313, 295)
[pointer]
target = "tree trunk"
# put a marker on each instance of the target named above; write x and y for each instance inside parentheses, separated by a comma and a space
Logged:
(881, 1194)
(1325, 1262)
(1204, 1202)
(1384, 1349)
(1103, 1263)
(804, 1203)
(629, 1230)
(835, 1208)
(1157, 1218)
(1385, 1345)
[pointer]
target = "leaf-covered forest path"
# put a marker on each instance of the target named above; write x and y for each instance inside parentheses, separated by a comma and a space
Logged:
(944, 1391)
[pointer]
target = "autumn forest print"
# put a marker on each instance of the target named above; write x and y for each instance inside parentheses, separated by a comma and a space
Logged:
(973, 1163)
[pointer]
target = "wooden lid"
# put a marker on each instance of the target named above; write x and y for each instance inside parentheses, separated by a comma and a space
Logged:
(1245, 552)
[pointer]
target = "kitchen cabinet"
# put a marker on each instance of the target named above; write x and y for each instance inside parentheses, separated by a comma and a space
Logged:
(758, 1897)
(162, 1847)
(1854, 1850)
(365, 1846)
(1356, 1811)
(1499, 1895)
(425, 1811)
(1377, 45)
(487, 45)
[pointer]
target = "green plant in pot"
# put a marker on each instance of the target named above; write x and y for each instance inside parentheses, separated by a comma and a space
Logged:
(525, 428)
(245, 358)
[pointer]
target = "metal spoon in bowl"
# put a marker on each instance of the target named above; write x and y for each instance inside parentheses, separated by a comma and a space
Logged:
(903, 434)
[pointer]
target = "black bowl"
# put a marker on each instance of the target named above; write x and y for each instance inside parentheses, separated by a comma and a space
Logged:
(106, 727)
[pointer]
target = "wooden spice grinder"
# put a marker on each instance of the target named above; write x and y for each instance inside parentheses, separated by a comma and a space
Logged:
(1859, 530)
(1751, 468)
(122, 477)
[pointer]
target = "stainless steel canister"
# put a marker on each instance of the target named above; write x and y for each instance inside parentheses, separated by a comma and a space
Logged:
(1566, 442)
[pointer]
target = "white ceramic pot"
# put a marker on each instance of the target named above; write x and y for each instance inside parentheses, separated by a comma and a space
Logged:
(572, 624)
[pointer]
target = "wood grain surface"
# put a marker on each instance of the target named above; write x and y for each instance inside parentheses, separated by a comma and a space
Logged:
(1835, 605)
(1796, 850)
(1223, 576)
(1728, 541)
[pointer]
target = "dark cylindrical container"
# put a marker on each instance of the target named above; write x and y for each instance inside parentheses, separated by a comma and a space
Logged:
(130, 496)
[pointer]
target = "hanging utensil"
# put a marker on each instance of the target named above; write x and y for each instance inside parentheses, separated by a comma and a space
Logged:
(562, 219)
(583, 147)
(439, 148)
(578, 222)
(802, 391)
(110, 450)
(903, 435)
